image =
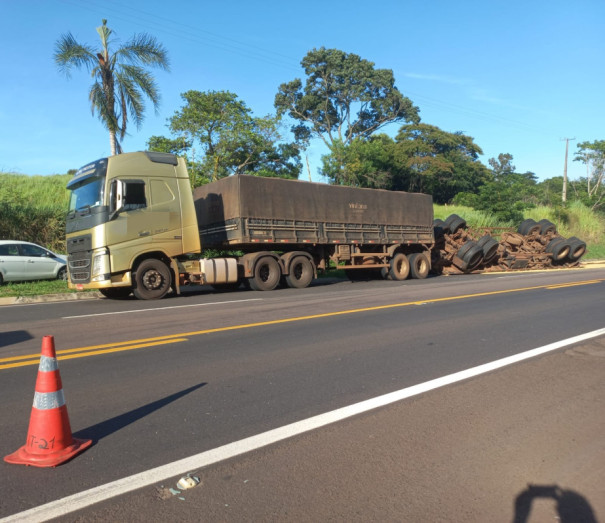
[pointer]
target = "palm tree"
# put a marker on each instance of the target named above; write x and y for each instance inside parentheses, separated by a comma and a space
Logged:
(120, 79)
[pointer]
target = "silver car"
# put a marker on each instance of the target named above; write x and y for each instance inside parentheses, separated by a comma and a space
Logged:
(21, 261)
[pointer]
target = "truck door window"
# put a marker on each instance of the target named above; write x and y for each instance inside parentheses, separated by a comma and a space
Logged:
(134, 195)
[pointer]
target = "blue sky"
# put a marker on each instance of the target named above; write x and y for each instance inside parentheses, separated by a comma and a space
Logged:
(517, 76)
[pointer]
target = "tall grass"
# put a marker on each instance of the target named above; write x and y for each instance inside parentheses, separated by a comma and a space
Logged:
(32, 208)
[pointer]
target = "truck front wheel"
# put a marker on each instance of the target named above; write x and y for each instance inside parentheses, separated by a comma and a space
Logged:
(266, 274)
(152, 280)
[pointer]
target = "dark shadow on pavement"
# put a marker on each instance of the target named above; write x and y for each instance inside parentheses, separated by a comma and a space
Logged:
(105, 428)
(571, 507)
(12, 337)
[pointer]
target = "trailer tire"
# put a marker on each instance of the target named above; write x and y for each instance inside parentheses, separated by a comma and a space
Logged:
(399, 268)
(577, 248)
(419, 265)
(301, 273)
(559, 248)
(454, 223)
(116, 293)
(529, 227)
(547, 227)
(152, 280)
(489, 246)
(266, 274)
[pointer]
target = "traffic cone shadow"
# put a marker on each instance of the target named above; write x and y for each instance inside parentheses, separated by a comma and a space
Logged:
(49, 439)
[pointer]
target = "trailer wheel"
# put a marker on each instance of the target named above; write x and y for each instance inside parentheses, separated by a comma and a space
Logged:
(116, 293)
(419, 265)
(399, 268)
(453, 222)
(559, 248)
(152, 280)
(547, 227)
(577, 248)
(301, 273)
(266, 274)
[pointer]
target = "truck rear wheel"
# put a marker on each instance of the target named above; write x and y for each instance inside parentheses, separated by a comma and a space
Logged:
(419, 265)
(399, 268)
(266, 274)
(152, 280)
(301, 273)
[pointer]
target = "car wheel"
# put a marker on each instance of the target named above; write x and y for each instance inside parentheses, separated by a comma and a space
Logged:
(62, 274)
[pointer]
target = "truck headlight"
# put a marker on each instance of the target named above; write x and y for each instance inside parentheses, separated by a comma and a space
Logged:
(100, 266)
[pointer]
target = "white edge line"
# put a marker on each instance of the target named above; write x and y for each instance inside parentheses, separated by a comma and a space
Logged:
(94, 495)
(160, 309)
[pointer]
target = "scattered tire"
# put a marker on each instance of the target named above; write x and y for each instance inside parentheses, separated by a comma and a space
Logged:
(301, 273)
(399, 268)
(419, 265)
(266, 274)
(577, 248)
(465, 248)
(489, 246)
(152, 280)
(453, 223)
(529, 227)
(559, 248)
(116, 293)
(469, 256)
(473, 257)
(547, 227)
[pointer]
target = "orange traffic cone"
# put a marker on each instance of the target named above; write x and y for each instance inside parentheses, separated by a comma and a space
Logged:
(49, 441)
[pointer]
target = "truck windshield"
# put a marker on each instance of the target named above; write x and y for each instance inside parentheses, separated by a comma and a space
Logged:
(86, 195)
(87, 187)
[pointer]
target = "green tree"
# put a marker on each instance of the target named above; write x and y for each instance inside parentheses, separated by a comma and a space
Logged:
(363, 163)
(510, 193)
(220, 136)
(437, 162)
(502, 165)
(592, 154)
(121, 81)
(344, 98)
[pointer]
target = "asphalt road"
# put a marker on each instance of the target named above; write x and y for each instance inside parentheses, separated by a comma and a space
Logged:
(156, 382)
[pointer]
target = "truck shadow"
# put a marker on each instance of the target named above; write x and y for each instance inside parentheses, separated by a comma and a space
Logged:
(571, 507)
(107, 427)
(13, 337)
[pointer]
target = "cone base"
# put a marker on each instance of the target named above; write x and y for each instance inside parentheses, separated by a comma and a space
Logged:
(23, 457)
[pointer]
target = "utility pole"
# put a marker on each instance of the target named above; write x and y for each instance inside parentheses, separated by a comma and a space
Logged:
(564, 195)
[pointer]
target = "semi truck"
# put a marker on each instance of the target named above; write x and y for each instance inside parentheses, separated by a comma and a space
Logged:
(134, 225)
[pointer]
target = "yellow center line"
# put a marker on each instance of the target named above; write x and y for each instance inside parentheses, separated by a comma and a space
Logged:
(572, 284)
(95, 350)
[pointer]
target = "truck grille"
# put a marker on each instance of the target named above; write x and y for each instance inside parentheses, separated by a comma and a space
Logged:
(79, 267)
